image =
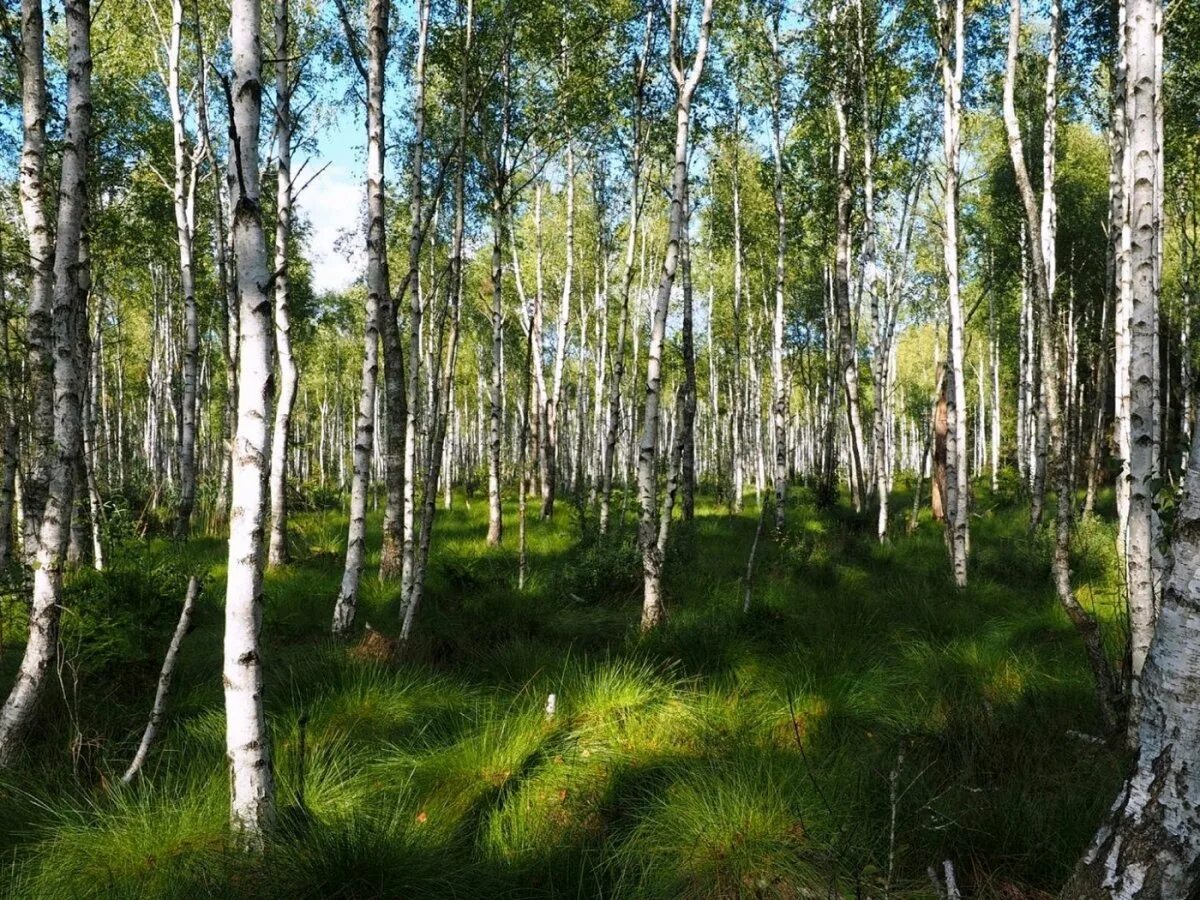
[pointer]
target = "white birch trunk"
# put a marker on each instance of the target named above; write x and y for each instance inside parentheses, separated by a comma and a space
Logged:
(40, 238)
(554, 396)
(415, 237)
(1149, 843)
(779, 405)
(158, 712)
(247, 739)
(184, 200)
(1142, 188)
(54, 523)
(952, 52)
(346, 605)
(288, 374)
(652, 605)
(635, 206)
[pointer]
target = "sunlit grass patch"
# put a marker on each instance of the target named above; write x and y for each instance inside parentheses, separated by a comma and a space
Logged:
(141, 841)
(723, 829)
(453, 784)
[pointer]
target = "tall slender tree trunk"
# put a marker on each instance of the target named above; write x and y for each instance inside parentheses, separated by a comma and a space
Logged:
(415, 238)
(952, 53)
(377, 304)
(184, 203)
(38, 307)
(741, 385)
(554, 396)
(872, 285)
(779, 404)
(9, 433)
(247, 739)
(1142, 191)
(648, 528)
(54, 523)
(635, 207)
(288, 374)
(438, 412)
(1057, 465)
(687, 452)
(495, 532)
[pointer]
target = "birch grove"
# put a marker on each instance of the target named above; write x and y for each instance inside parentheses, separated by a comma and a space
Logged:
(737, 308)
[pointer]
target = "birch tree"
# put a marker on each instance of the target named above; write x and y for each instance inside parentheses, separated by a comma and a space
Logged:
(247, 740)
(34, 205)
(1142, 196)
(439, 409)
(184, 201)
(779, 405)
(951, 54)
(289, 376)
(636, 201)
(64, 425)
(412, 285)
(378, 290)
(1057, 462)
(685, 89)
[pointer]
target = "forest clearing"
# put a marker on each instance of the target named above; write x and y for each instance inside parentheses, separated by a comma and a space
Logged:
(628, 448)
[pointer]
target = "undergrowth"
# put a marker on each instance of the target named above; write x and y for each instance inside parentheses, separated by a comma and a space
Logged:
(863, 720)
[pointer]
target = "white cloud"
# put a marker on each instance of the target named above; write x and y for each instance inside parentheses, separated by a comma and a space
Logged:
(333, 205)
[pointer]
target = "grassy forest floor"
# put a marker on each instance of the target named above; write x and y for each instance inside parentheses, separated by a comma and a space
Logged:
(864, 721)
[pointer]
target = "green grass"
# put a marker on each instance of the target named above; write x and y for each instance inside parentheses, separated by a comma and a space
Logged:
(726, 755)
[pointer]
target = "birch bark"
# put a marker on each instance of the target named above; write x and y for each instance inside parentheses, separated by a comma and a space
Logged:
(415, 238)
(288, 373)
(377, 293)
(54, 523)
(635, 205)
(1057, 459)
(1143, 186)
(779, 405)
(554, 395)
(952, 53)
(38, 338)
(184, 203)
(247, 739)
(685, 86)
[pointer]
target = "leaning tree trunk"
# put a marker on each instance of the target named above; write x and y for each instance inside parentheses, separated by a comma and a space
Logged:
(247, 740)
(288, 375)
(1058, 457)
(54, 524)
(439, 409)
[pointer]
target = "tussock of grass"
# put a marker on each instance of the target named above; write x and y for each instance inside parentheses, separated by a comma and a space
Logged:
(722, 831)
(726, 755)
